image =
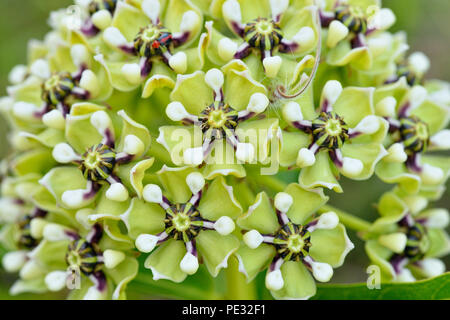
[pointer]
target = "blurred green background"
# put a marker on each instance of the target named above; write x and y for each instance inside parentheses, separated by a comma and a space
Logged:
(425, 21)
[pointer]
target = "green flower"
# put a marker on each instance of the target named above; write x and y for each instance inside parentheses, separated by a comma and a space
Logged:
(417, 126)
(407, 240)
(189, 222)
(218, 122)
(387, 50)
(343, 136)
(100, 157)
(291, 243)
(275, 32)
(43, 93)
(88, 262)
(350, 26)
(152, 42)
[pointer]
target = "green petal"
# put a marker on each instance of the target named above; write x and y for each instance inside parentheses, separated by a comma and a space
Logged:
(222, 161)
(368, 154)
(131, 127)
(239, 86)
(106, 208)
(320, 174)
(292, 71)
(122, 274)
(186, 85)
(165, 261)
(84, 108)
(62, 179)
(156, 82)
(176, 139)
(292, 143)
(343, 54)
(293, 20)
(49, 137)
(28, 286)
(43, 199)
(439, 243)
(390, 172)
(250, 12)
(52, 254)
(298, 282)
(380, 255)
(437, 117)
(215, 249)
(330, 246)
(253, 261)
(114, 74)
(397, 90)
(354, 104)
(218, 201)
(34, 161)
(364, 4)
(212, 48)
(143, 218)
(260, 216)
(132, 175)
(80, 133)
(306, 202)
(260, 134)
(442, 162)
(174, 13)
(174, 183)
(129, 20)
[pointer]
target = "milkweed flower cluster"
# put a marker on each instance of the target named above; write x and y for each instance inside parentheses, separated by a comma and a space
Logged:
(143, 128)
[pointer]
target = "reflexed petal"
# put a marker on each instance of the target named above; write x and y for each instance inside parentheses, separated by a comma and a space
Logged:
(320, 174)
(330, 246)
(218, 201)
(292, 143)
(253, 261)
(165, 261)
(173, 181)
(186, 85)
(260, 216)
(298, 282)
(379, 255)
(143, 218)
(305, 204)
(354, 104)
(122, 274)
(239, 87)
(215, 249)
(368, 154)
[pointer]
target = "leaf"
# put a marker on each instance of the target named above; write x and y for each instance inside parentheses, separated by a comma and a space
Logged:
(437, 288)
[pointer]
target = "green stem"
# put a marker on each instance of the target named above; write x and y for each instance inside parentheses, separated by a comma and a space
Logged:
(347, 219)
(237, 286)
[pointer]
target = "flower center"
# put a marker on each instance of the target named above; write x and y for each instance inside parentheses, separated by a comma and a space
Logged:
(98, 162)
(84, 256)
(293, 242)
(414, 134)
(417, 243)
(329, 131)
(152, 41)
(25, 239)
(263, 34)
(403, 70)
(352, 17)
(183, 222)
(57, 88)
(97, 5)
(220, 117)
